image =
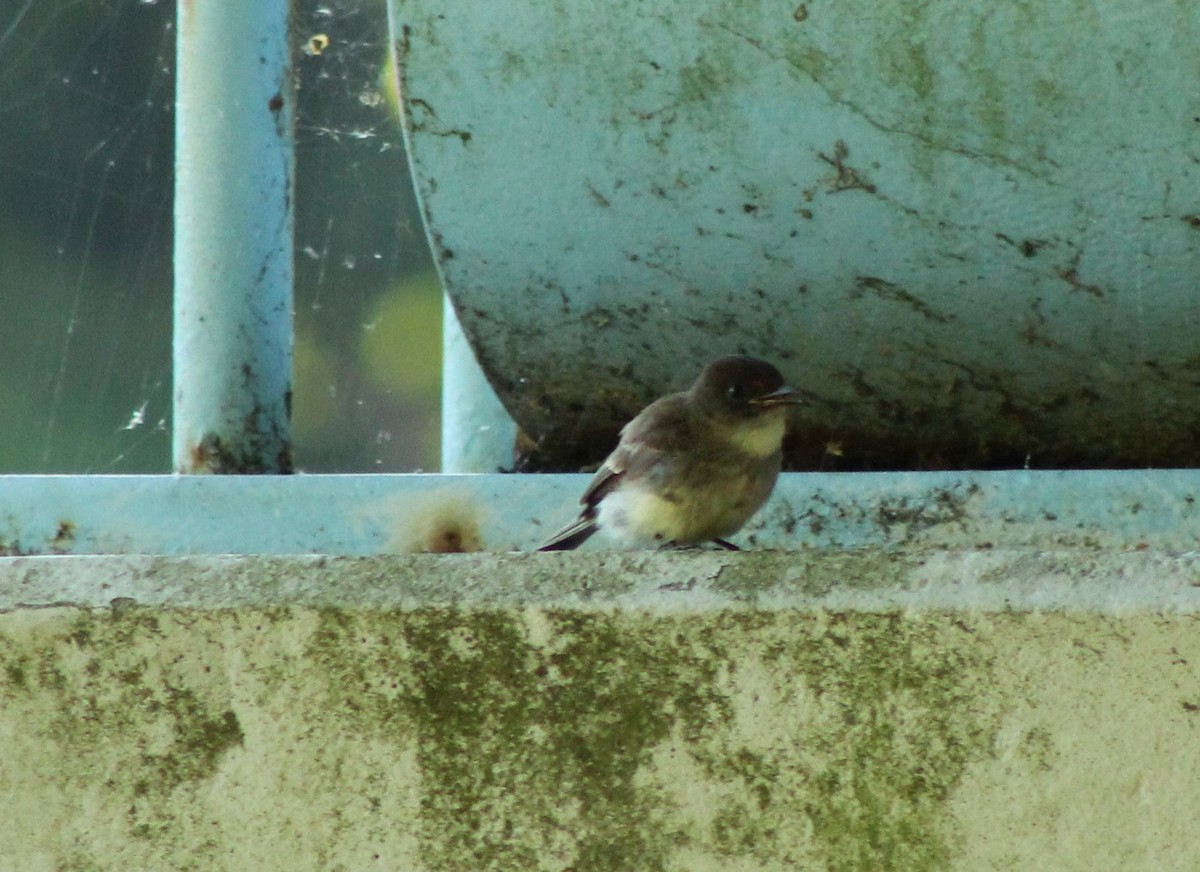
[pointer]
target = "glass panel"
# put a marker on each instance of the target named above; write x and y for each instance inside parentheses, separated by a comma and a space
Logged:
(86, 157)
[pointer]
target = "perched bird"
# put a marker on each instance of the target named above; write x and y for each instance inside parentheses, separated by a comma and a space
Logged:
(692, 466)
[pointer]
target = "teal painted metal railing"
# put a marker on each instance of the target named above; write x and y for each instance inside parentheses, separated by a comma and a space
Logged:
(234, 167)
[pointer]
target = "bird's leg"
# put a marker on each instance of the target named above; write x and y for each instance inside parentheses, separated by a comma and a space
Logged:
(728, 546)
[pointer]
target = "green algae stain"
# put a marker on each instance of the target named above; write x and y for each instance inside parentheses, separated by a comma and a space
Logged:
(700, 80)
(530, 729)
(200, 740)
(119, 701)
(903, 715)
(537, 734)
(587, 740)
(14, 675)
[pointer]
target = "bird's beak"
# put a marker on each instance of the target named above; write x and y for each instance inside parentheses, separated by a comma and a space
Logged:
(784, 396)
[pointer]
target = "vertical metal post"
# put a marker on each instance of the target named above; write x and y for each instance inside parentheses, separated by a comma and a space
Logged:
(477, 432)
(234, 168)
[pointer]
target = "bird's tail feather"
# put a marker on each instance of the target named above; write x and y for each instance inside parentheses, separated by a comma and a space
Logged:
(571, 536)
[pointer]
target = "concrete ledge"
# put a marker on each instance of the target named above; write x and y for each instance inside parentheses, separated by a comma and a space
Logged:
(869, 579)
(868, 710)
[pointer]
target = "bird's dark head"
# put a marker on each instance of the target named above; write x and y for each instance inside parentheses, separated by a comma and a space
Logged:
(741, 387)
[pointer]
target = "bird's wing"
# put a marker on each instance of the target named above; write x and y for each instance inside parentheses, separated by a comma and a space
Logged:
(663, 427)
(640, 446)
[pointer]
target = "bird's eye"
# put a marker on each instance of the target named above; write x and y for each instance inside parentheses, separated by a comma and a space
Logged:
(736, 392)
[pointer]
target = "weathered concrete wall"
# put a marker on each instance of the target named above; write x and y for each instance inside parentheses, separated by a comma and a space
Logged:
(755, 711)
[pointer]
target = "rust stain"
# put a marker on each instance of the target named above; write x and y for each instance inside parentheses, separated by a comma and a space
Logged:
(63, 541)
(259, 454)
(445, 525)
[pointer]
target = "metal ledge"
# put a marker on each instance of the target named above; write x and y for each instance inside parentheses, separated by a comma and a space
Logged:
(380, 514)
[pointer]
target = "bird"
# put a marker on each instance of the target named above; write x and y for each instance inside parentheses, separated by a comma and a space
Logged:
(691, 467)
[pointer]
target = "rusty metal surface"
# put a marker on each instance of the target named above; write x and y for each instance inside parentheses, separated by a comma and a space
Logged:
(970, 232)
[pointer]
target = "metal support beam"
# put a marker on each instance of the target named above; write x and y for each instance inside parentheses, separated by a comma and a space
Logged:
(233, 238)
(477, 432)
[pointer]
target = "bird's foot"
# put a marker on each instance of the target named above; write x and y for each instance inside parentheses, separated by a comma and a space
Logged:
(672, 545)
